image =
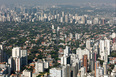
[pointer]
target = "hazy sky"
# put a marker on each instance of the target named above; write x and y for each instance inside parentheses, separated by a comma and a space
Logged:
(51, 1)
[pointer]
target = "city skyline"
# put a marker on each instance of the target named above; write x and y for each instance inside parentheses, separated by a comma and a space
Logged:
(57, 38)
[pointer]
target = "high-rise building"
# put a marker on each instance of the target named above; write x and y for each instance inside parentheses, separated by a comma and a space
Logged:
(65, 60)
(63, 14)
(71, 36)
(74, 70)
(85, 64)
(88, 44)
(81, 19)
(52, 26)
(66, 18)
(56, 72)
(95, 21)
(19, 58)
(73, 58)
(66, 50)
(39, 66)
(77, 36)
(23, 57)
(58, 28)
(105, 68)
(92, 61)
(89, 22)
(26, 73)
(103, 21)
(66, 71)
(99, 72)
(104, 48)
(10, 60)
(107, 46)
(83, 71)
(18, 64)
(46, 64)
(97, 64)
(81, 52)
(61, 19)
(1, 53)
(16, 52)
(106, 56)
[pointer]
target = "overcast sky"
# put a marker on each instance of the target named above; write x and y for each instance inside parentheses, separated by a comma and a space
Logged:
(52, 1)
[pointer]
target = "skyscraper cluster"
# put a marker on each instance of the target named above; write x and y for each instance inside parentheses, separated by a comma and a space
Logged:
(14, 63)
(22, 14)
(84, 63)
